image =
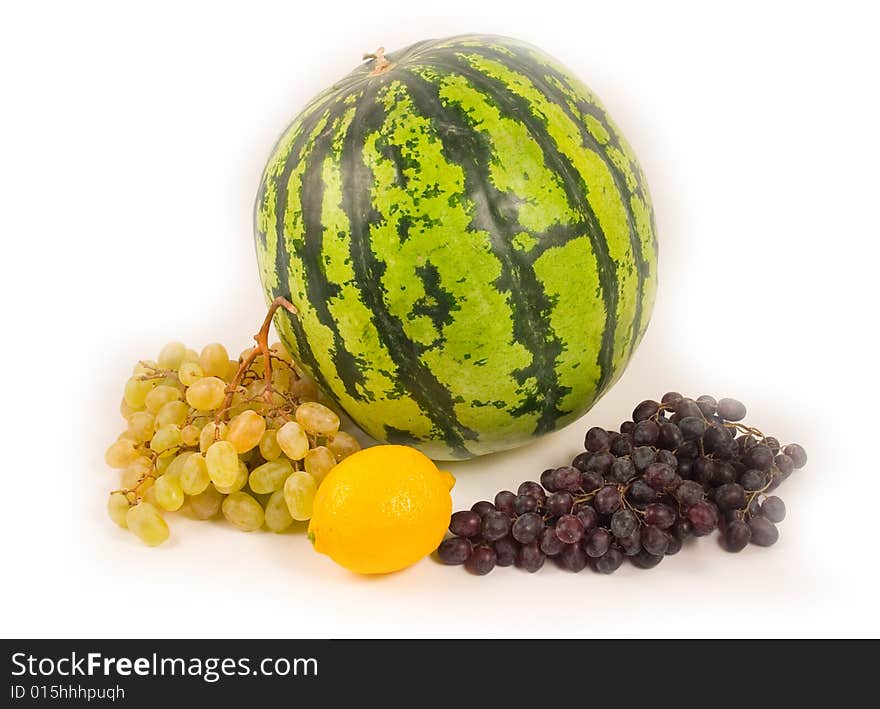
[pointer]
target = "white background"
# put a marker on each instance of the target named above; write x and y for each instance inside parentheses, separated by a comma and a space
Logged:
(131, 148)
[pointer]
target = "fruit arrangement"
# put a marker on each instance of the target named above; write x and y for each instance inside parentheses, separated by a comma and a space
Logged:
(680, 468)
(469, 242)
(246, 438)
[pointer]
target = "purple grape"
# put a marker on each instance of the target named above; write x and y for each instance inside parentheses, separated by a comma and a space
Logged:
(659, 475)
(730, 497)
(797, 454)
(707, 404)
(645, 560)
(772, 443)
(506, 549)
(668, 457)
(622, 470)
(773, 509)
(568, 479)
(670, 436)
(689, 493)
(481, 561)
(671, 397)
(596, 542)
(784, 464)
(524, 504)
(505, 501)
(600, 462)
(454, 551)
(753, 480)
(645, 410)
(632, 543)
(731, 410)
(588, 516)
(573, 558)
(597, 439)
(482, 507)
(692, 427)
(759, 457)
(530, 557)
(548, 480)
(674, 545)
(609, 562)
(627, 427)
(682, 529)
(527, 528)
(660, 515)
(623, 523)
(559, 503)
(607, 500)
(716, 438)
(654, 540)
(643, 456)
(621, 445)
(646, 433)
(723, 472)
(703, 517)
(569, 529)
(466, 523)
(737, 536)
(550, 543)
(689, 450)
(704, 469)
(764, 532)
(530, 487)
(687, 407)
(592, 480)
(495, 526)
(640, 493)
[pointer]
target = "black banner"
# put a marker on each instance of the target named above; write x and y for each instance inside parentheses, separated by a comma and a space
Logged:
(135, 673)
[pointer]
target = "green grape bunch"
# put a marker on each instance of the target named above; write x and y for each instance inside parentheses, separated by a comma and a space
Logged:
(211, 435)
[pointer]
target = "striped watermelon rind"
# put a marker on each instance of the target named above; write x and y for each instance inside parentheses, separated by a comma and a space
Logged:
(469, 241)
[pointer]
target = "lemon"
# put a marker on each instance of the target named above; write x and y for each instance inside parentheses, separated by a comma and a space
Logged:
(381, 509)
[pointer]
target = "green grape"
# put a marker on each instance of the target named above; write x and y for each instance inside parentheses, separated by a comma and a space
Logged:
(277, 515)
(243, 511)
(246, 430)
(190, 373)
(136, 390)
(343, 445)
(240, 481)
(269, 448)
(145, 521)
(206, 437)
(319, 462)
(141, 425)
(117, 508)
(172, 355)
(125, 409)
(269, 477)
(190, 355)
(214, 360)
(277, 349)
(133, 474)
(293, 440)
(281, 377)
(206, 504)
(174, 412)
(169, 493)
(145, 366)
(233, 368)
(317, 418)
(222, 460)
(194, 478)
(206, 394)
(304, 389)
(127, 435)
(190, 435)
(160, 396)
(162, 463)
(166, 440)
(175, 467)
(299, 494)
(121, 453)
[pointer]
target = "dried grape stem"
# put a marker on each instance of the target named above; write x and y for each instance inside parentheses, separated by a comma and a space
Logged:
(262, 339)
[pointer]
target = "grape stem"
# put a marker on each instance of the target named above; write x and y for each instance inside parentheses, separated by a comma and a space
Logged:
(262, 348)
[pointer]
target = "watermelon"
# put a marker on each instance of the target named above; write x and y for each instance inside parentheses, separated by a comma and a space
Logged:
(469, 241)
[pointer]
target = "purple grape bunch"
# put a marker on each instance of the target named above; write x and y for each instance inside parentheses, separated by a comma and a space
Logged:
(680, 468)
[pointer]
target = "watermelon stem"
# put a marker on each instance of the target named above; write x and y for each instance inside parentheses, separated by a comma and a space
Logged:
(382, 64)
